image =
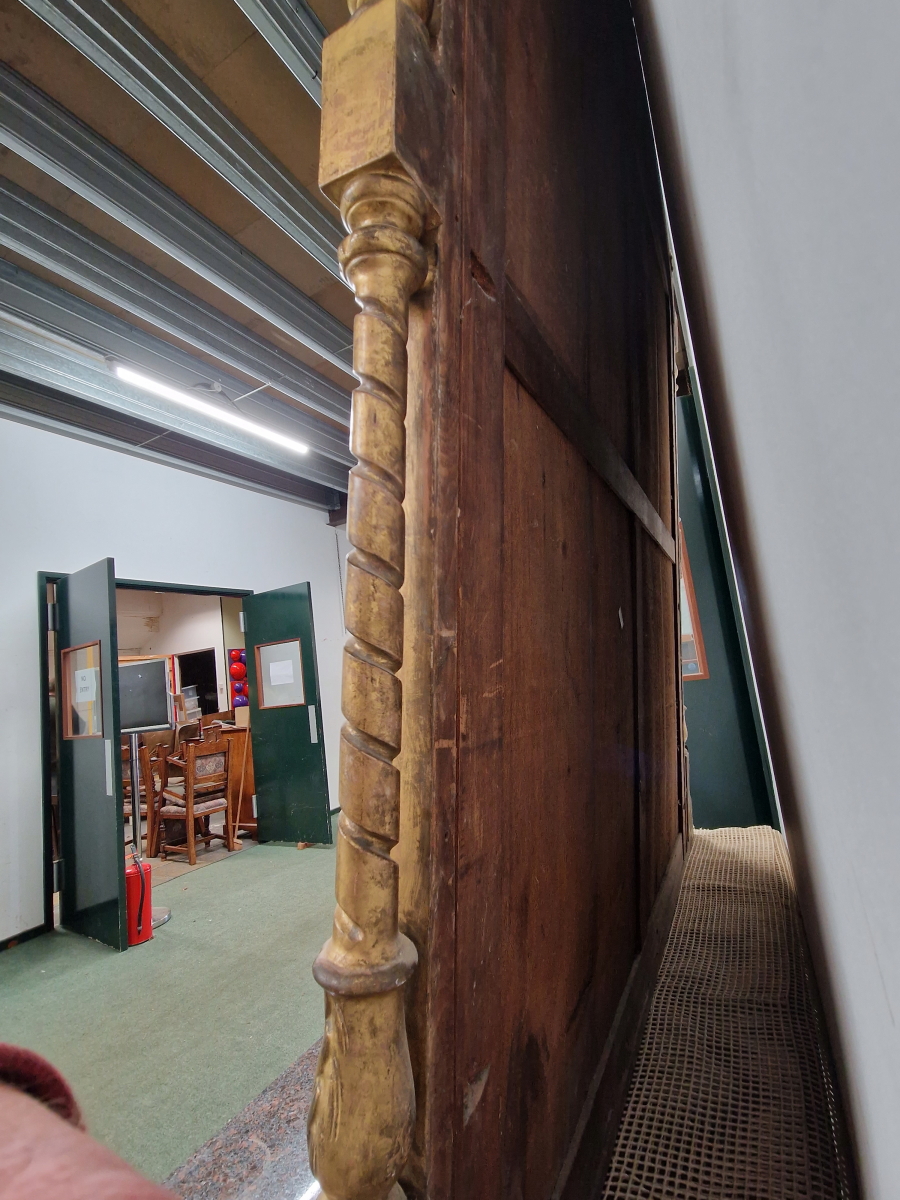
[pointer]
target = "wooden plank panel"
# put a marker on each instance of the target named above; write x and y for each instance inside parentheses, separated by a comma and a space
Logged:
(653, 385)
(614, 747)
(416, 761)
(551, 824)
(605, 244)
(590, 1152)
(545, 377)
(481, 830)
(480, 916)
(546, 195)
(660, 744)
(545, 640)
(436, 1059)
(560, 832)
(219, 44)
(203, 34)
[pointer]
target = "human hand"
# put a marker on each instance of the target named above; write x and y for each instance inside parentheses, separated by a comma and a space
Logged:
(43, 1157)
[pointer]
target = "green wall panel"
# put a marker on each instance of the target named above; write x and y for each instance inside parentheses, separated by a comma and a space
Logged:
(728, 778)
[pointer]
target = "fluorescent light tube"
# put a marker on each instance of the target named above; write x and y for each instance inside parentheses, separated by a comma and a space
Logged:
(208, 410)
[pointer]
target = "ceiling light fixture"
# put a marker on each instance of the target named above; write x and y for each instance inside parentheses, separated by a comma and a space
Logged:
(208, 410)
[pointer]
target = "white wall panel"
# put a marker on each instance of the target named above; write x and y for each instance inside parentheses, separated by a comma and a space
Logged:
(782, 122)
(184, 624)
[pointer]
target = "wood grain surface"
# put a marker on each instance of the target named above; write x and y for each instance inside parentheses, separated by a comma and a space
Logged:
(546, 620)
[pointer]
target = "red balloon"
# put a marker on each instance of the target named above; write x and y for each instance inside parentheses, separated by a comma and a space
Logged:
(237, 670)
(234, 655)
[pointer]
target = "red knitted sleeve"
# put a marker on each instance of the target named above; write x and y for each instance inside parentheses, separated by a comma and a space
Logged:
(29, 1073)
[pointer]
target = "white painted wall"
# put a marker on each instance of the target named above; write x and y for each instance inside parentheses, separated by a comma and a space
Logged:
(66, 504)
(183, 624)
(787, 124)
(343, 549)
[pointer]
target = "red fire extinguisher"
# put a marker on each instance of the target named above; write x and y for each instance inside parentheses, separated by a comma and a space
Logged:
(138, 901)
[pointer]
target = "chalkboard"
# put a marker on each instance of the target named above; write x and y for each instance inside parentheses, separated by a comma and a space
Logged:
(144, 696)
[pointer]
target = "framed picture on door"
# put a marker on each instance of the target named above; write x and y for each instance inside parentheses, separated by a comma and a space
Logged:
(82, 710)
(693, 652)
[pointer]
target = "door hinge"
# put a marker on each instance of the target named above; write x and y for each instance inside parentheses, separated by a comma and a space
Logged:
(242, 621)
(52, 616)
(58, 875)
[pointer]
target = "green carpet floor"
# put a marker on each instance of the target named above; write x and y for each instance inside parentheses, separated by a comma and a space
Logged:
(165, 1043)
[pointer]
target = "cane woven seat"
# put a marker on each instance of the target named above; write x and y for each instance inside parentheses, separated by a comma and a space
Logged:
(177, 812)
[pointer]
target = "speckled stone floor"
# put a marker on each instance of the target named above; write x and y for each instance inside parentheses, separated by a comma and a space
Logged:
(260, 1153)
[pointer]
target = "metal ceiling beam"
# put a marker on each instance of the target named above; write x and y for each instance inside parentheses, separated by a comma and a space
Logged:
(78, 329)
(51, 337)
(36, 300)
(117, 42)
(46, 236)
(46, 135)
(44, 408)
(24, 356)
(295, 33)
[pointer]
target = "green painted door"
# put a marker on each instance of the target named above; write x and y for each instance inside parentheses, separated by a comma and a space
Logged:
(286, 717)
(90, 760)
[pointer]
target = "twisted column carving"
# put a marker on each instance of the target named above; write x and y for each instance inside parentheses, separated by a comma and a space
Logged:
(382, 105)
(363, 1111)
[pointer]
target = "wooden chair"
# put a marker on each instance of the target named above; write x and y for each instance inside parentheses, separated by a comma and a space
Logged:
(154, 779)
(128, 807)
(212, 718)
(240, 774)
(159, 737)
(205, 791)
(125, 750)
(217, 729)
(187, 732)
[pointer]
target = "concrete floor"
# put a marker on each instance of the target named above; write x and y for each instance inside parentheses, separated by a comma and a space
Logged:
(167, 1042)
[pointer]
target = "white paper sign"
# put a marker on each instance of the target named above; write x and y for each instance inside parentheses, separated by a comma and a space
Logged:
(85, 683)
(281, 672)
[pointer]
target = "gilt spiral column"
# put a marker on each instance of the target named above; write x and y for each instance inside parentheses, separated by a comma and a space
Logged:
(363, 1111)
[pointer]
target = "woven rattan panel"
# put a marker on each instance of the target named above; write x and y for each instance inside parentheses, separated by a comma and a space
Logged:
(732, 1096)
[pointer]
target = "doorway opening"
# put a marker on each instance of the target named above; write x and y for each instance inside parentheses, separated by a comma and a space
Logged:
(197, 674)
(194, 635)
(268, 781)
(236, 931)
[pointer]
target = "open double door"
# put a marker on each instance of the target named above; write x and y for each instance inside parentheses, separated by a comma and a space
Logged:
(288, 746)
